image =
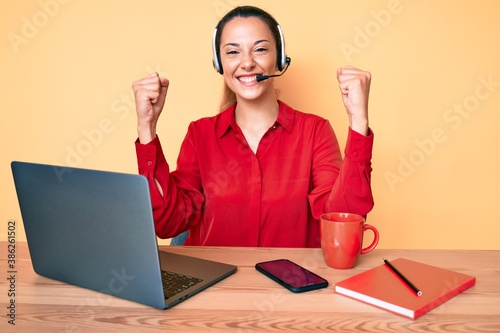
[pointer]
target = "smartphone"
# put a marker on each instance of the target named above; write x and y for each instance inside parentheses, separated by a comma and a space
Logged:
(291, 276)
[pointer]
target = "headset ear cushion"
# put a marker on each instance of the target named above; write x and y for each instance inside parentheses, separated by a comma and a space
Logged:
(279, 63)
(282, 58)
(216, 59)
(217, 66)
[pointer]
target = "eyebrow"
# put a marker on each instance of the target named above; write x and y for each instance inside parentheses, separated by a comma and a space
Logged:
(255, 43)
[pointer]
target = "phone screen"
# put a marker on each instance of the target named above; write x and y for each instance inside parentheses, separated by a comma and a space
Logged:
(291, 275)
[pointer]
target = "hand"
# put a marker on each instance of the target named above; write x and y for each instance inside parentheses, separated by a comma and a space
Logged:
(354, 85)
(150, 93)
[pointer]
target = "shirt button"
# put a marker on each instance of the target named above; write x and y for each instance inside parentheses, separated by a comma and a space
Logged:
(150, 163)
(356, 154)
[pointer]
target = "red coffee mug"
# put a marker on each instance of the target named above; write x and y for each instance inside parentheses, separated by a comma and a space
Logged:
(342, 239)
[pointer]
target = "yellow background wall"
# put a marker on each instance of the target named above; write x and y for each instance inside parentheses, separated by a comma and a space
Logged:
(66, 98)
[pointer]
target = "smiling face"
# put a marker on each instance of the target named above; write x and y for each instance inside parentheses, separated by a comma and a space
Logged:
(248, 49)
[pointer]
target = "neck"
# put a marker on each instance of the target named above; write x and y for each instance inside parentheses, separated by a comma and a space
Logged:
(256, 115)
(255, 119)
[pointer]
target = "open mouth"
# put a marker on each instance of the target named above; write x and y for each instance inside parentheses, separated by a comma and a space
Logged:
(248, 79)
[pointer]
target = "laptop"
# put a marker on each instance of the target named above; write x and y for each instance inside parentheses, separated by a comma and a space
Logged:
(95, 229)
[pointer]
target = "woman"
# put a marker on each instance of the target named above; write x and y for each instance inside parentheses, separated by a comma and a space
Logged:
(259, 173)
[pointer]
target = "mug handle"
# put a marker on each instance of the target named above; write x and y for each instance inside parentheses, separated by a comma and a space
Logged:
(370, 247)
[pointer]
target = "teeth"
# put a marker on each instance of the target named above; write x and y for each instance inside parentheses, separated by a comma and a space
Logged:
(247, 78)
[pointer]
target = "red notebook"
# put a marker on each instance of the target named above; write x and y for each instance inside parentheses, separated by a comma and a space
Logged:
(381, 287)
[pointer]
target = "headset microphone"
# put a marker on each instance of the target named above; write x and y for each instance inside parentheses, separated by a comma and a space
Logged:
(265, 77)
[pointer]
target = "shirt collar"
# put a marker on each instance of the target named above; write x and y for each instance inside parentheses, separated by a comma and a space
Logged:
(286, 115)
(226, 120)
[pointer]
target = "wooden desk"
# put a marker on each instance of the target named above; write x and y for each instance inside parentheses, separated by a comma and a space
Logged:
(249, 302)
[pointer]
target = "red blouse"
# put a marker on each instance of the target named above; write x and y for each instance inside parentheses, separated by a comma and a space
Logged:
(227, 195)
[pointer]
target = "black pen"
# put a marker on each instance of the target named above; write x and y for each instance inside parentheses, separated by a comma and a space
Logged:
(408, 282)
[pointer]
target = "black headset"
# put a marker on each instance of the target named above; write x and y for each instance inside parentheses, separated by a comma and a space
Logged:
(282, 60)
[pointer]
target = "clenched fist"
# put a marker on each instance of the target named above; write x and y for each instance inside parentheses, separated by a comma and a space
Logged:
(150, 93)
(354, 85)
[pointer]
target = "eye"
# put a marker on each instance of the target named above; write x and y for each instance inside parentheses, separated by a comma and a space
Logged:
(232, 52)
(261, 49)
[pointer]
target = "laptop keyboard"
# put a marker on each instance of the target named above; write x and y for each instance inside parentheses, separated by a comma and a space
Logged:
(173, 283)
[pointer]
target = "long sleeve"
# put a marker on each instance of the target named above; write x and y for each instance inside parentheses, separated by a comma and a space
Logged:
(342, 185)
(352, 191)
(177, 205)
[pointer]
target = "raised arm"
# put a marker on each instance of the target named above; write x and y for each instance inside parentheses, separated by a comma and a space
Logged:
(176, 198)
(344, 185)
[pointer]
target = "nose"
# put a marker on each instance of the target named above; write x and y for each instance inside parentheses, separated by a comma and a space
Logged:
(247, 62)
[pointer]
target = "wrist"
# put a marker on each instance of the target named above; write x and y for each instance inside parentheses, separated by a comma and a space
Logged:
(146, 133)
(359, 125)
